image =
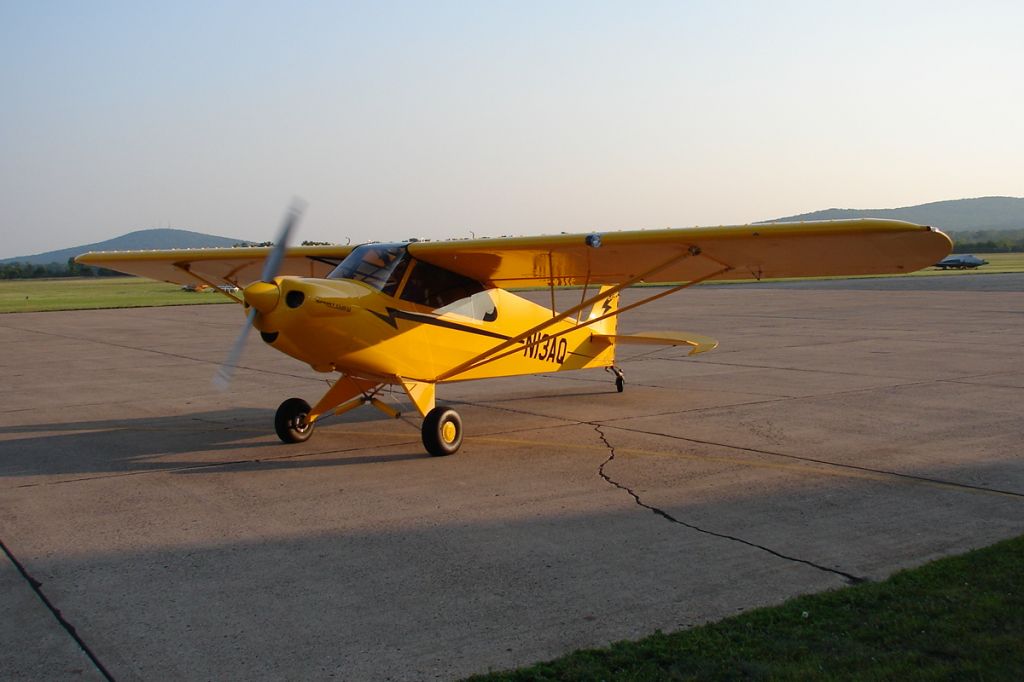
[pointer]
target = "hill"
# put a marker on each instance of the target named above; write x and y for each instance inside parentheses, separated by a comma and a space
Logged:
(983, 213)
(161, 238)
(979, 216)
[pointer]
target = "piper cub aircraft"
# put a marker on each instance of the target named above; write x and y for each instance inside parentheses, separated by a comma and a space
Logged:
(420, 314)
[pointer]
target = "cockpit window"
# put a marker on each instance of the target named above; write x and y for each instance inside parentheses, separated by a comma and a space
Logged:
(382, 266)
(379, 265)
(436, 287)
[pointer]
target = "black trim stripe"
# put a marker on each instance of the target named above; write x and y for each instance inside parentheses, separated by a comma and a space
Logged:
(394, 314)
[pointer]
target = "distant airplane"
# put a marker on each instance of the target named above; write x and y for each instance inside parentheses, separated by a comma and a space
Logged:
(960, 261)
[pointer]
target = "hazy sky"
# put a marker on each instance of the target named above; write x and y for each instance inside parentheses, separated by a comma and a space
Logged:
(435, 119)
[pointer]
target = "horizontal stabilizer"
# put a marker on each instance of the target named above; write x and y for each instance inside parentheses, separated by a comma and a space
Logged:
(699, 343)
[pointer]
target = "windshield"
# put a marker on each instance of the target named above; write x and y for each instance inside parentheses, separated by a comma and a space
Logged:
(381, 266)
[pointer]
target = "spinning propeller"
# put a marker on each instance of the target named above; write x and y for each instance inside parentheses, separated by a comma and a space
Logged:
(258, 293)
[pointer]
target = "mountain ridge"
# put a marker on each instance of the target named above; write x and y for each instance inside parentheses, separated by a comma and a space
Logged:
(979, 213)
(156, 238)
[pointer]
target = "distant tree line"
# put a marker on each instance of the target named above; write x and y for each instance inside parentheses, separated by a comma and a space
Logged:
(973, 241)
(68, 269)
(72, 269)
(305, 243)
(988, 241)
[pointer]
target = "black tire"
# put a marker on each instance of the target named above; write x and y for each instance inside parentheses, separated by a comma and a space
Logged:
(290, 421)
(620, 384)
(442, 432)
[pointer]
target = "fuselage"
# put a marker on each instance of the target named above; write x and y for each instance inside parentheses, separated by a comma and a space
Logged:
(383, 315)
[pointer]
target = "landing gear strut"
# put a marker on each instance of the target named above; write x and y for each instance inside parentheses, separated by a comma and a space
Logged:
(442, 431)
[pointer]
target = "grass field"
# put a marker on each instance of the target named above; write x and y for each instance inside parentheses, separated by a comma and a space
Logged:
(960, 618)
(33, 295)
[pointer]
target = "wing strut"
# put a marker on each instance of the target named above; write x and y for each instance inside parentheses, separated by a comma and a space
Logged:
(583, 297)
(489, 359)
(491, 354)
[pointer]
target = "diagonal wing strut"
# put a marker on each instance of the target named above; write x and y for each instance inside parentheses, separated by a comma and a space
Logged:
(495, 353)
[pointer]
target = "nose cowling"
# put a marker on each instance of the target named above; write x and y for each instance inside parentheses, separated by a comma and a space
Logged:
(263, 296)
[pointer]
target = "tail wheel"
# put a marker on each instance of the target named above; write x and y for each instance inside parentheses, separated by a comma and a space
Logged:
(620, 378)
(291, 421)
(442, 431)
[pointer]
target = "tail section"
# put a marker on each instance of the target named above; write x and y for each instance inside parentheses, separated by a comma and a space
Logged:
(597, 349)
(696, 342)
(604, 307)
(603, 332)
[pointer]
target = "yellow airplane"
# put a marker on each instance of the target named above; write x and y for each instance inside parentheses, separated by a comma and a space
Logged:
(419, 314)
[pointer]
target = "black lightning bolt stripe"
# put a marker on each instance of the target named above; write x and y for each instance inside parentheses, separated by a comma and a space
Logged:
(393, 315)
(607, 304)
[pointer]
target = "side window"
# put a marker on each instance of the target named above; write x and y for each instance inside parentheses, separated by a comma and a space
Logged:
(394, 277)
(436, 287)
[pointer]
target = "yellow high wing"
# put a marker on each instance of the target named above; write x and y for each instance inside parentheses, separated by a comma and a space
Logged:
(681, 258)
(808, 249)
(216, 267)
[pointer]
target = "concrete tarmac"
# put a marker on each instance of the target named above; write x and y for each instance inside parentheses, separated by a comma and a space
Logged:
(155, 528)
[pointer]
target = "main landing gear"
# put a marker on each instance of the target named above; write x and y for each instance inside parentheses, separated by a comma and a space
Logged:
(441, 431)
(291, 423)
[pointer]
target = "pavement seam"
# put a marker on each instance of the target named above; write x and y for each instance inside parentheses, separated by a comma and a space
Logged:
(570, 421)
(778, 399)
(767, 397)
(807, 370)
(158, 352)
(37, 587)
(764, 401)
(209, 465)
(812, 460)
(848, 577)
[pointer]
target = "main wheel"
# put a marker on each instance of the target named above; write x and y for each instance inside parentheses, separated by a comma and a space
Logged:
(442, 431)
(290, 421)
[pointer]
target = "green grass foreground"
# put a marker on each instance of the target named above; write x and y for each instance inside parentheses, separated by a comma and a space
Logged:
(35, 295)
(960, 618)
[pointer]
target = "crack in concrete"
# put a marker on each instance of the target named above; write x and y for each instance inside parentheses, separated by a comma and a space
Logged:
(848, 577)
(839, 465)
(37, 587)
(813, 460)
